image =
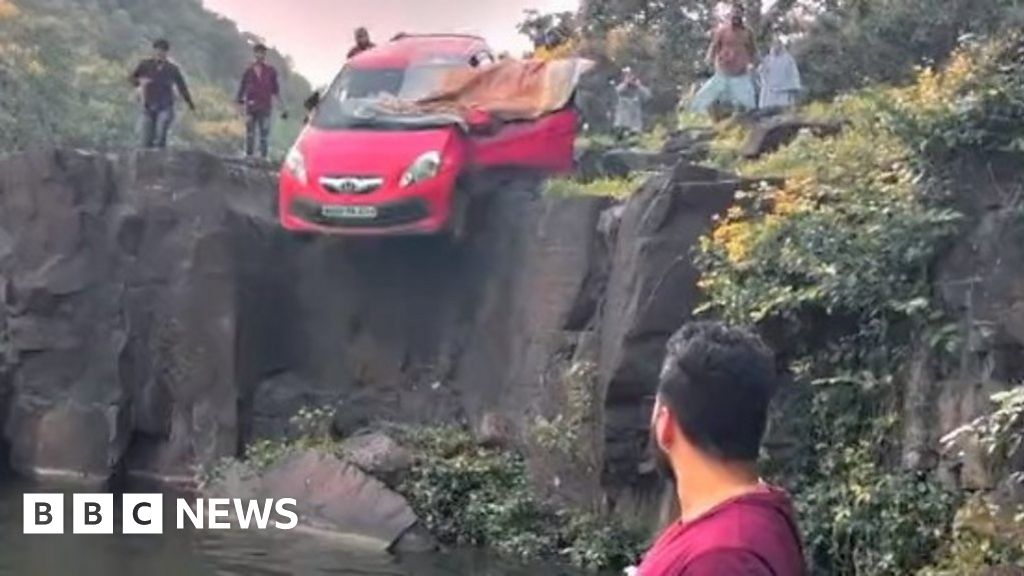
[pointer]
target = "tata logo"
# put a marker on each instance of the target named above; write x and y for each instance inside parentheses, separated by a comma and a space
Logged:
(351, 185)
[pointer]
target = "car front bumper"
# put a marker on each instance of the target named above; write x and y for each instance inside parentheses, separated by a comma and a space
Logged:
(423, 208)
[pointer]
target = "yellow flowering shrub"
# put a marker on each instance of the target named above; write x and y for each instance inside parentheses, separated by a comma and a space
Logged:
(836, 260)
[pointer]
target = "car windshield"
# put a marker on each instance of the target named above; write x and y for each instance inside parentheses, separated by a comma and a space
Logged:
(355, 96)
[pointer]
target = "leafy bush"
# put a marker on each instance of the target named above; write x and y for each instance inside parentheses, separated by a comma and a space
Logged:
(568, 433)
(985, 534)
(470, 495)
(837, 259)
(1001, 432)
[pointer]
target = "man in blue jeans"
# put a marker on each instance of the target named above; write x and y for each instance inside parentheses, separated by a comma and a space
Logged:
(256, 95)
(156, 78)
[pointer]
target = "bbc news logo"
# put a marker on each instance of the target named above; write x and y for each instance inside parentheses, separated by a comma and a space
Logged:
(144, 514)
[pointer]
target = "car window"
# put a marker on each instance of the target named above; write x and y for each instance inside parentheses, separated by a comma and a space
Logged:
(352, 96)
(367, 83)
(421, 81)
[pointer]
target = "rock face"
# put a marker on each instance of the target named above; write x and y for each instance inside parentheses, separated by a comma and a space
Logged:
(979, 282)
(331, 496)
(119, 310)
(652, 290)
(63, 289)
(379, 455)
(155, 316)
(773, 133)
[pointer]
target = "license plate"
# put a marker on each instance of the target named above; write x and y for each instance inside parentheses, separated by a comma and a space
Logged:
(349, 212)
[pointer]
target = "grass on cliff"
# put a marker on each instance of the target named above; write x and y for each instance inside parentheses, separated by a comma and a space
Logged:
(838, 259)
(617, 188)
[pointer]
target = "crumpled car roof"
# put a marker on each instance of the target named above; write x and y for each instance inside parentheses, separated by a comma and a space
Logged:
(508, 90)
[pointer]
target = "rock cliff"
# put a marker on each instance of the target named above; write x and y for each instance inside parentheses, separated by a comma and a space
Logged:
(154, 318)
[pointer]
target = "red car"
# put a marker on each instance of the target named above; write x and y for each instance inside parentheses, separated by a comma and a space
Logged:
(358, 170)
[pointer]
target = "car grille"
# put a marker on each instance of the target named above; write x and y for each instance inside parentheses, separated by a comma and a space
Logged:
(394, 214)
(351, 184)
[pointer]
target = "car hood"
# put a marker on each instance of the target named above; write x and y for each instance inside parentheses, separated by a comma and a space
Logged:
(356, 152)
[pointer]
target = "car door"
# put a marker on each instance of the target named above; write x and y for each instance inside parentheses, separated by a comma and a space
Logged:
(545, 144)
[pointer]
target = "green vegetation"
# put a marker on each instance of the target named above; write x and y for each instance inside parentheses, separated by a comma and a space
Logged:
(471, 495)
(618, 188)
(64, 67)
(465, 494)
(837, 260)
(569, 433)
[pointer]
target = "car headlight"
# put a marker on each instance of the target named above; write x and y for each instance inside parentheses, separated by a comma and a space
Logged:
(425, 167)
(296, 164)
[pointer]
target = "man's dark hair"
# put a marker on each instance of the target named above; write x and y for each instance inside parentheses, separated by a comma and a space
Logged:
(260, 48)
(161, 44)
(718, 381)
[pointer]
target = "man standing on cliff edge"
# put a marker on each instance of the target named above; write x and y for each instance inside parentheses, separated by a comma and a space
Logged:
(707, 426)
(156, 79)
(256, 95)
(733, 53)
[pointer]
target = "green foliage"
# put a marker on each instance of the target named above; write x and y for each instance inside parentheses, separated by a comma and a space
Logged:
(541, 27)
(981, 108)
(470, 495)
(985, 534)
(567, 433)
(855, 43)
(606, 187)
(64, 67)
(840, 45)
(311, 431)
(849, 234)
(860, 518)
(1000, 432)
(837, 259)
(313, 427)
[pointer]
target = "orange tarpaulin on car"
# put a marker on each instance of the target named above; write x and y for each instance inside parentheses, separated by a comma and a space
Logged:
(507, 90)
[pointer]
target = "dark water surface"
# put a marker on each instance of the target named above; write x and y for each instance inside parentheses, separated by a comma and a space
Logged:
(208, 553)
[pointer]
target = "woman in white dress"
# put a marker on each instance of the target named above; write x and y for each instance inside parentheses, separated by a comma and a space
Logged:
(780, 78)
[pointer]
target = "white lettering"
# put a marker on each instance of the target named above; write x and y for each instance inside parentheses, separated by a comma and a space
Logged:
(185, 510)
(219, 508)
(253, 510)
(282, 510)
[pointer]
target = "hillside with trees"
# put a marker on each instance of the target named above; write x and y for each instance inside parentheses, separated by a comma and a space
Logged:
(841, 45)
(65, 65)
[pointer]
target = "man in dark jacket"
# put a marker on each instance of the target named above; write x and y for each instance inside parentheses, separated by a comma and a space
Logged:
(156, 78)
(363, 43)
(256, 95)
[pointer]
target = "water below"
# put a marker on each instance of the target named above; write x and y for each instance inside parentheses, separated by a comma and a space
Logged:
(220, 553)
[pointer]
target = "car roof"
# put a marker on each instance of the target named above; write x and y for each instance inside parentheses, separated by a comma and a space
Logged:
(410, 48)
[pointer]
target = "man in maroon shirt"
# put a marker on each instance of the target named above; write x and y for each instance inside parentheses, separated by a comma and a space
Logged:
(707, 425)
(256, 95)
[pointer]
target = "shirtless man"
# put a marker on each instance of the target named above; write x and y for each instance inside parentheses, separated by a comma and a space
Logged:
(734, 55)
